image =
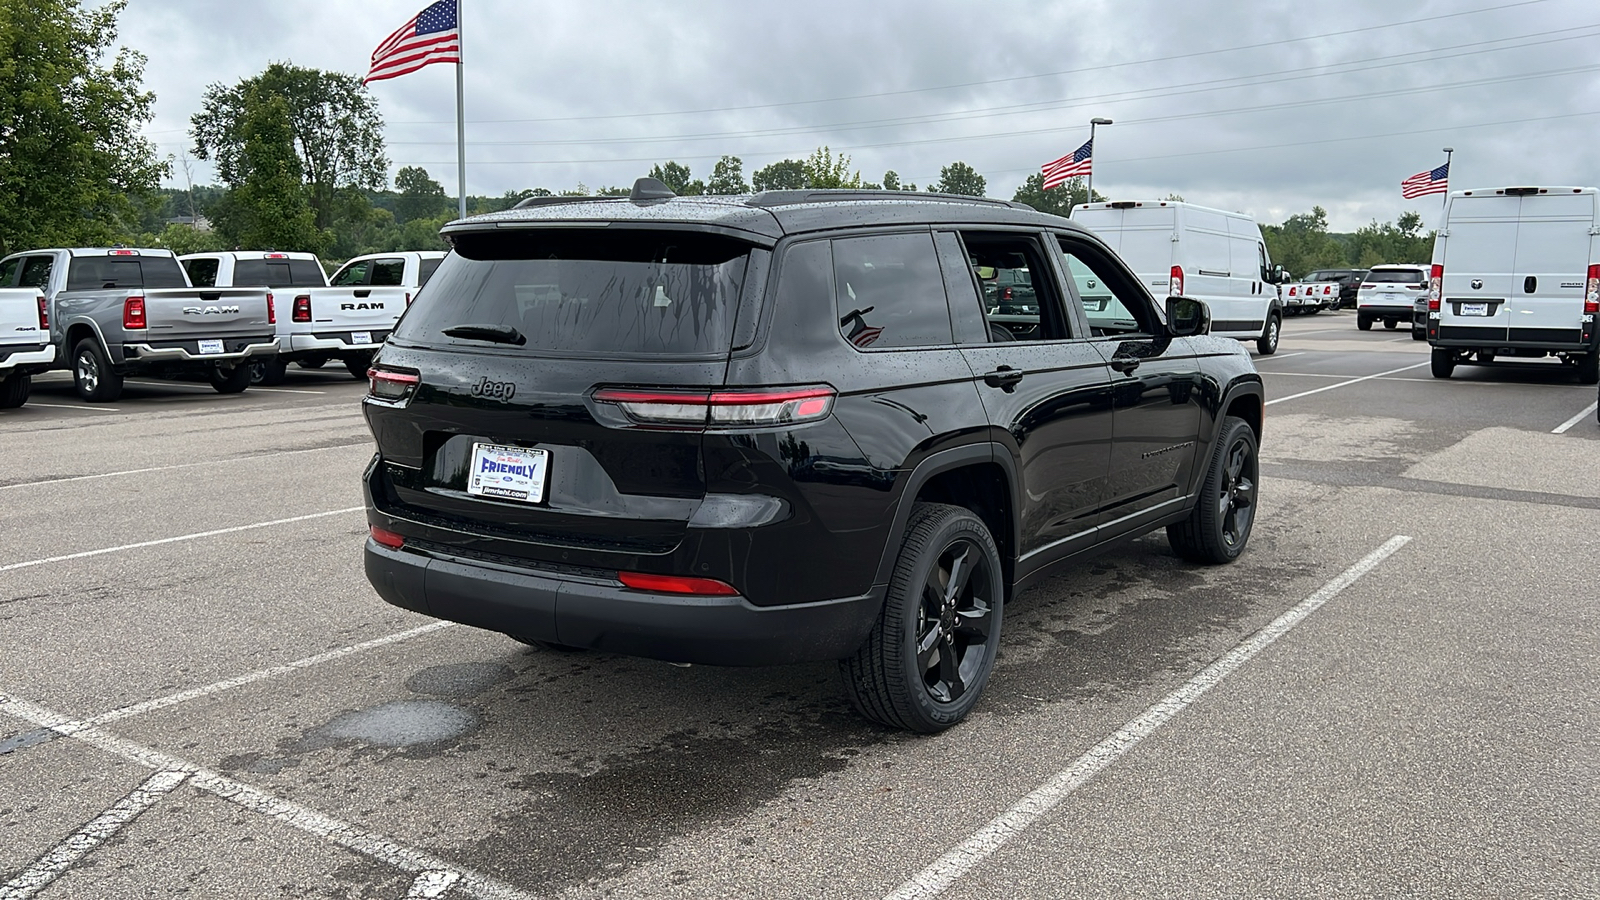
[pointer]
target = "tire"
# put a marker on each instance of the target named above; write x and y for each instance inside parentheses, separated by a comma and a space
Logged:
(313, 362)
(946, 594)
(1313, 310)
(1267, 344)
(231, 380)
(1363, 322)
(92, 375)
(1218, 529)
(14, 391)
(1444, 362)
(1589, 368)
(269, 372)
(1391, 324)
(357, 366)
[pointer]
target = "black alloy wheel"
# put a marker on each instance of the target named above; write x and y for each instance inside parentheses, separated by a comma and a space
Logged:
(934, 646)
(1219, 527)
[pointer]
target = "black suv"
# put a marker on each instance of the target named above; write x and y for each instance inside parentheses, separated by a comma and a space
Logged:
(782, 427)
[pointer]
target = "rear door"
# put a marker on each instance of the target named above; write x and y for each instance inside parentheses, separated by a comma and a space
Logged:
(1479, 268)
(647, 314)
(1552, 260)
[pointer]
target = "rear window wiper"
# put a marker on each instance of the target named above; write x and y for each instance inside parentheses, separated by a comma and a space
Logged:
(498, 334)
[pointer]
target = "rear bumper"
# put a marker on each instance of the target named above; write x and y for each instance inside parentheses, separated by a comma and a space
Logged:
(313, 344)
(146, 353)
(602, 614)
(1387, 312)
(27, 359)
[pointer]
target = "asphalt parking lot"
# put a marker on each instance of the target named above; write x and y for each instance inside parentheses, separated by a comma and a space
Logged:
(1396, 692)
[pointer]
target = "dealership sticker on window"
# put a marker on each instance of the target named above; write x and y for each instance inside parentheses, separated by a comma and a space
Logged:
(509, 473)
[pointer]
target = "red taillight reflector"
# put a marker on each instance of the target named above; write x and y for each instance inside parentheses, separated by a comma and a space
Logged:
(1175, 285)
(1293, 291)
(133, 313)
(1436, 287)
(387, 538)
(391, 386)
(1591, 291)
(272, 313)
(44, 313)
(302, 308)
(722, 408)
(677, 584)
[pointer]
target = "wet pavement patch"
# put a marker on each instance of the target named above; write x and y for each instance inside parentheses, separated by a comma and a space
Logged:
(27, 739)
(459, 679)
(401, 723)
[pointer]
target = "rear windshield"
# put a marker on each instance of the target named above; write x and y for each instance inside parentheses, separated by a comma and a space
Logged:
(94, 273)
(638, 292)
(1326, 276)
(1395, 276)
(278, 273)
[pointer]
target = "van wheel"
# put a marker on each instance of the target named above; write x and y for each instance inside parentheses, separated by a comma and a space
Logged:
(92, 375)
(14, 391)
(1589, 368)
(1219, 527)
(932, 650)
(1444, 362)
(231, 380)
(269, 372)
(1391, 324)
(1267, 344)
(358, 365)
(1363, 322)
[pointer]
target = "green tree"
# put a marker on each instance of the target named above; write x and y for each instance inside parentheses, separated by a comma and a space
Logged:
(891, 182)
(1302, 243)
(337, 132)
(1402, 241)
(267, 208)
(727, 177)
(1057, 201)
(788, 175)
(824, 170)
(70, 114)
(678, 178)
(960, 178)
(420, 196)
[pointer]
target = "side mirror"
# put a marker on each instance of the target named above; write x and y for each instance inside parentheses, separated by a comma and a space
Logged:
(1279, 276)
(1187, 317)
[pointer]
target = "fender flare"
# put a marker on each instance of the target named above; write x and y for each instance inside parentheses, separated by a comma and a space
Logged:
(935, 464)
(1235, 389)
(65, 354)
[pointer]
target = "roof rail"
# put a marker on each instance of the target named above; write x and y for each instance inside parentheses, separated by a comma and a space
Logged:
(770, 199)
(557, 200)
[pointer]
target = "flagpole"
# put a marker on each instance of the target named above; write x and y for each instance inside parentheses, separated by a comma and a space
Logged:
(461, 112)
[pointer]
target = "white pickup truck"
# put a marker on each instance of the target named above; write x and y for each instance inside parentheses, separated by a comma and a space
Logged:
(25, 348)
(319, 322)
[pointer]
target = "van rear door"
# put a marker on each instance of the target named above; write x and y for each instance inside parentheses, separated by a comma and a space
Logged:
(1479, 268)
(1552, 260)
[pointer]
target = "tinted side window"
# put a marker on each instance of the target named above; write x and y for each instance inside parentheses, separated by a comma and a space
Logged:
(388, 273)
(202, 272)
(890, 292)
(8, 272)
(36, 271)
(353, 274)
(426, 270)
(1020, 297)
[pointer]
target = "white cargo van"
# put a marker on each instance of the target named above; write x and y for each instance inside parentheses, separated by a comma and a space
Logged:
(1516, 272)
(1207, 254)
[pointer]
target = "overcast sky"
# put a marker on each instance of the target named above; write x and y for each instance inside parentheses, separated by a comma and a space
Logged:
(1265, 107)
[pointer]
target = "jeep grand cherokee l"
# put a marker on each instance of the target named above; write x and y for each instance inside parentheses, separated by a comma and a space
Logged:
(782, 427)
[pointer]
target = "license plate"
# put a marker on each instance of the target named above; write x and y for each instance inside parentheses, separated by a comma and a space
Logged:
(360, 337)
(509, 473)
(1474, 309)
(211, 347)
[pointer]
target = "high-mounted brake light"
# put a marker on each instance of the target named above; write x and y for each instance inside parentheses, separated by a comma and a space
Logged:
(386, 537)
(302, 308)
(44, 313)
(714, 409)
(677, 584)
(391, 386)
(1175, 286)
(277, 256)
(123, 253)
(1436, 287)
(133, 313)
(272, 313)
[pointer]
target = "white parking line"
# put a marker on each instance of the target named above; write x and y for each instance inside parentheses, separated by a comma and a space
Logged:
(53, 864)
(69, 406)
(432, 884)
(1341, 384)
(282, 391)
(1262, 359)
(367, 843)
(937, 878)
(182, 537)
(209, 462)
(1587, 412)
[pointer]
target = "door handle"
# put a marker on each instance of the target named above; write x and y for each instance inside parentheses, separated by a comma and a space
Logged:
(1003, 377)
(1125, 364)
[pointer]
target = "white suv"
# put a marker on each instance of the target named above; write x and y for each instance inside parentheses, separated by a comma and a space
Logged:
(1389, 293)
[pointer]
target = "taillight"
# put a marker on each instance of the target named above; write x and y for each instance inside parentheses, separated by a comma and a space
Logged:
(272, 313)
(1436, 286)
(1591, 291)
(1175, 286)
(391, 386)
(1006, 294)
(133, 313)
(702, 409)
(387, 538)
(1367, 287)
(44, 314)
(677, 584)
(302, 309)
(1294, 291)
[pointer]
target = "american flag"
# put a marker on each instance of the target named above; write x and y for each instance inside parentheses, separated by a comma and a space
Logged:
(1074, 164)
(1433, 181)
(432, 36)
